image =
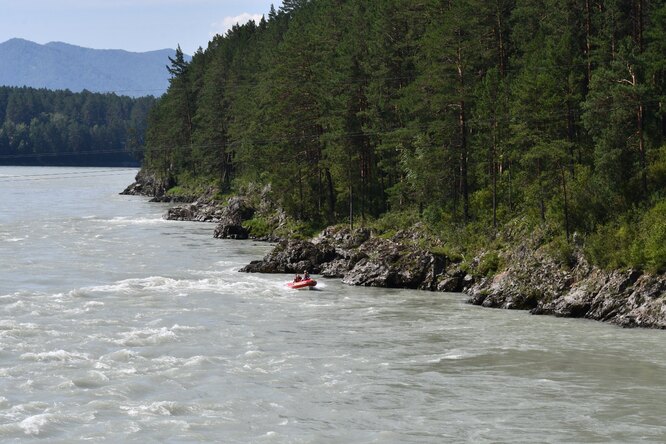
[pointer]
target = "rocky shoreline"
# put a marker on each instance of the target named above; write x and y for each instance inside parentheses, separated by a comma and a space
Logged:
(531, 279)
(534, 281)
(359, 258)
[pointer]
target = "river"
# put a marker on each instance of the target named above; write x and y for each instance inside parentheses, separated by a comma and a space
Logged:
(119, 326)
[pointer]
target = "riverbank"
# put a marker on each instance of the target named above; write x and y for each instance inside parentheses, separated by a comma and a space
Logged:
(533, 278)
(524, 274)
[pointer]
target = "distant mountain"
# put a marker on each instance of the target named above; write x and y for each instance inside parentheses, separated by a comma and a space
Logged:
(59, 65)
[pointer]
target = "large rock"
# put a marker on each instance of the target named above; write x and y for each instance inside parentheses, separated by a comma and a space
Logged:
(342, 237)
(454, 280)
(236, 211)
(294, 256)
(390, 264)
(199, 211)
(346, 243)
(646, 305)
(146, 184)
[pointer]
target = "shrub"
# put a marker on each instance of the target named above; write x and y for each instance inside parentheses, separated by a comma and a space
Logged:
(561, 250)
(489, 263)
(447, 252)
(395, 221)
(258, 227)
(649, 248)
(609, 246)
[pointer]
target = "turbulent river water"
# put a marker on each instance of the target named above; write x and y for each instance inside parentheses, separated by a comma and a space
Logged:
(119, 326)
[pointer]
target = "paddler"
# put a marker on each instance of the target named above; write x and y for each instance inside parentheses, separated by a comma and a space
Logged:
(306, 275)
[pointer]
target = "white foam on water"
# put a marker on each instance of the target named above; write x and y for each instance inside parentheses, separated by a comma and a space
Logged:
(34, 425)
(29, 408)
(256, 369)
(44, 422)
(31, 418)
(177, 327)
(16, 306)
(10, 324)
(136, 221)
(159, 408)
(455, 355)
(16, 239)
(67, 385)
(146, 336)
(79, 293)
(129, 286)
(177, 287)
(123, 355)
(174, 365)
(56, 355)
(196, 361)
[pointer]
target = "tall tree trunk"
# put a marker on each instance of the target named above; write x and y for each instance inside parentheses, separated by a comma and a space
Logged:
(638, 13)
(462, 123)
(542, 201)
(320, 191)
(501, 50)
(464, 186)
(493, 164)
(588, 43)
(351, 191)
(640, 122)
(351, 206)
(331, 196)
(510, 171)
(566, 200)
(571, 135)
(300, 197)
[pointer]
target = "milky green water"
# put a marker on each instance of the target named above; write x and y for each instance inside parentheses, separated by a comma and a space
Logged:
(118, 326)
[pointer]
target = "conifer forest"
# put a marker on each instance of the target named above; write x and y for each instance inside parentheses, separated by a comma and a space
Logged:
(466, 116)
(42, 127)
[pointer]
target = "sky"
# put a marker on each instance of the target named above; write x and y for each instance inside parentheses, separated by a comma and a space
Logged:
(132, 25)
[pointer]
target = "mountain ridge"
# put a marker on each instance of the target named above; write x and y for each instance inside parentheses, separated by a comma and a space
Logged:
(60, 65)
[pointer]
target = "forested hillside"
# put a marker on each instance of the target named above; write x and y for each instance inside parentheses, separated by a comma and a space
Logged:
(465, 115)
(41, 127)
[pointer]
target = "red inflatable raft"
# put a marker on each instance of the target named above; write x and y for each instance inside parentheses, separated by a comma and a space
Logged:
(305, 283)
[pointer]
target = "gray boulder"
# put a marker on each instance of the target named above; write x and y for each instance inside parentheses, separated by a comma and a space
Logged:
(232, 216)
(294, 256)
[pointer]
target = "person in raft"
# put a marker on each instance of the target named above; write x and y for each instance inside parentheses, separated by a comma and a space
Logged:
(306, 275)
(298, 278)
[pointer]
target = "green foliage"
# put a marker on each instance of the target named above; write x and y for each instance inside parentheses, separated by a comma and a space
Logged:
(259, 227)
(391, 222)
(489, 263)
(191, 186)
(649, 248)
(562, 251)
(297, 230)
(610, 245)
(41, 127)
(447, 251)
(636, 240)
(657, 171)
(469, 118)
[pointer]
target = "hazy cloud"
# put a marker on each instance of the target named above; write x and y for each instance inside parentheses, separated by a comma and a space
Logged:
(227, 23)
